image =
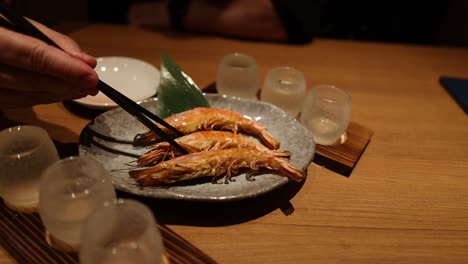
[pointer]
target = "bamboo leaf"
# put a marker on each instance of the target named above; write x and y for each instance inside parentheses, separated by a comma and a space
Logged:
(177, 92)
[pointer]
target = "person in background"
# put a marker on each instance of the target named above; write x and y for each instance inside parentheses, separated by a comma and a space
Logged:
(293, 22)
(32, 72)
(287, 21)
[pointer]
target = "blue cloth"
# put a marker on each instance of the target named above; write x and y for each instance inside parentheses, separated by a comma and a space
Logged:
(458, 89)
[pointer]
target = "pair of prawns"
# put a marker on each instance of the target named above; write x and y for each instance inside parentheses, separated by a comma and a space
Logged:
(201, 141)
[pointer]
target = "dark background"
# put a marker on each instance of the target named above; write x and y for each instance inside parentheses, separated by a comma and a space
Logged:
(431, 22)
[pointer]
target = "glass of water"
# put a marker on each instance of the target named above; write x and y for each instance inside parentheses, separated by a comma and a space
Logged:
(70, 190)
(285, 87)
(238, 76)
(25, 152)
(122, 231)
(325, 114)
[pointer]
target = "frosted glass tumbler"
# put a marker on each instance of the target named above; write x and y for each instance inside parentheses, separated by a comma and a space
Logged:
(25, 152)
(285, 87)
(325, 113)
(123, 231)
(70, 190)
(238, 76)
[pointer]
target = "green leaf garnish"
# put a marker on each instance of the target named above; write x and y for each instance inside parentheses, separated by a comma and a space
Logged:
(177, 92)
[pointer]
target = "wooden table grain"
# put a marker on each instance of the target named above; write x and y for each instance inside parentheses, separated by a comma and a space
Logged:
(405, 202)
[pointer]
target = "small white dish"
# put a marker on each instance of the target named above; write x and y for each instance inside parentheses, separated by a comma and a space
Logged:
(134, 78)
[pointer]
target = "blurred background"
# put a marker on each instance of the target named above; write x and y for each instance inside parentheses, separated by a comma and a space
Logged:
(431, 22)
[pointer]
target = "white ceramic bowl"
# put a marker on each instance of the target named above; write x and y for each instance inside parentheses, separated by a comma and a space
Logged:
(136, 79)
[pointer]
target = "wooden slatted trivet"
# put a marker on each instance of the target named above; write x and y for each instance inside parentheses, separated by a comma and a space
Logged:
(22, 235)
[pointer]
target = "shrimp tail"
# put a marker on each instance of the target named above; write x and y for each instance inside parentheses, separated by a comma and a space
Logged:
(282, 154)
(287, 169)
(262, 132)
(268, 139)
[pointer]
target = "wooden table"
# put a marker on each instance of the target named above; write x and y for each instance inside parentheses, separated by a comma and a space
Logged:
(405, 202)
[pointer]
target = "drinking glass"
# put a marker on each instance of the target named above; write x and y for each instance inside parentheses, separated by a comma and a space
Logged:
(70, 190)
(326, 113)
(285, 87)
(25, 151)
(122, 231)
(238, 76)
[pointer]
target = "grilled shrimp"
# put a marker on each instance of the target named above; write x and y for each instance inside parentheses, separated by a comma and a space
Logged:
(203, 118)
(202, 141)
(214, 163)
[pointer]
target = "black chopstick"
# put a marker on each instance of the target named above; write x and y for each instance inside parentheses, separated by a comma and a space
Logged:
(6, 24)
(23, 26)
(136, 111)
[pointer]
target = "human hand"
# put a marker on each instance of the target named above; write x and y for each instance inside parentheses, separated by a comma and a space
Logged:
(33, 72)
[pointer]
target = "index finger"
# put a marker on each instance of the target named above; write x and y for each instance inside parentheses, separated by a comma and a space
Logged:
(66, 43)
(34, 55)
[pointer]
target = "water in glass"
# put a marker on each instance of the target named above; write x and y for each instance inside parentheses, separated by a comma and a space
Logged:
(123, 231)
(325, 114)
(285, 87)
(69, 191)
(25, 152)
(238, 76)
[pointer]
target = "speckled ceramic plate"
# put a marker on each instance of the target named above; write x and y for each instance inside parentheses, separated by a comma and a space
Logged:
(107, 138)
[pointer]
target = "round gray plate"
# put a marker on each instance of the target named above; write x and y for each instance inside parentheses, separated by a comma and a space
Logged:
(107, 138)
